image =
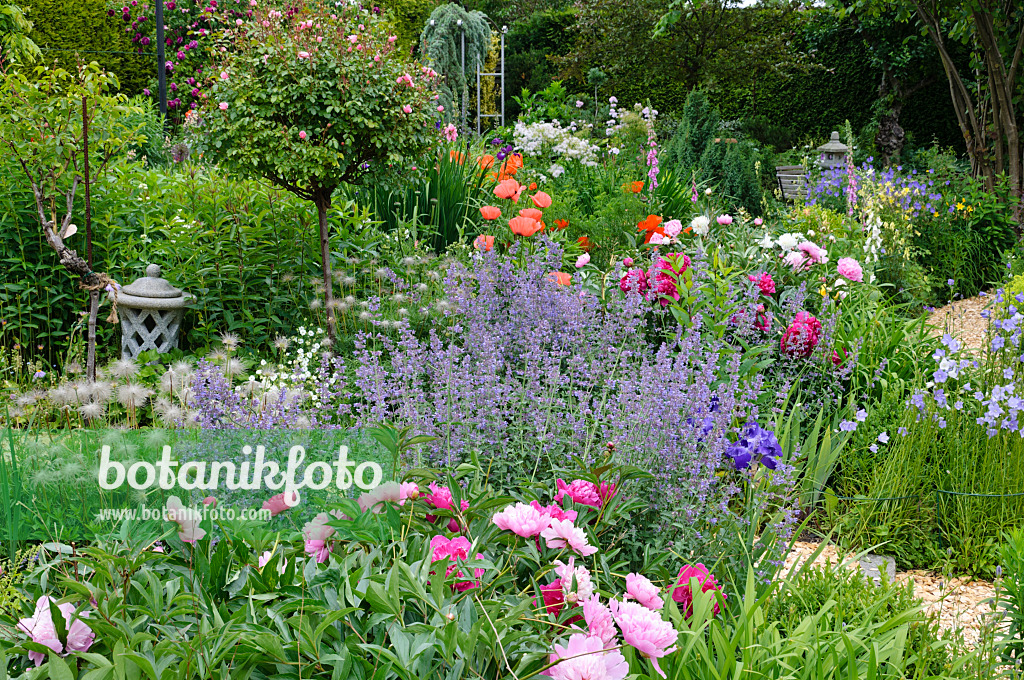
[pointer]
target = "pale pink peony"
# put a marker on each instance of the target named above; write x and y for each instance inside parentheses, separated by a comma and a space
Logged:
(599, 621)
(583, 260)
(410, 491)
(586, 659)
(277, 504)
(567, 574)
(672, 228)
(643, 591)
(317, 535)
(724, 220)
(374, 500)
(563, 533)
(42, 630)
(522, 520)
(850, 269)
(187, 519)
(645, 631)
(265, 559)
(210, 502)
(814, 253)
(797, 260)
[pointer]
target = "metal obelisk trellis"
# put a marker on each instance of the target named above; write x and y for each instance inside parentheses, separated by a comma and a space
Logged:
(501, 75)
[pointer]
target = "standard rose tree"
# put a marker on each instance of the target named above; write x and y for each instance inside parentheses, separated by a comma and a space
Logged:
(311, 99)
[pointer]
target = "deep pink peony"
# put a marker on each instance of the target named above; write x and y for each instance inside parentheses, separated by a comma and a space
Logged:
(850, 269)
(454, 550)
(764, 283)
(440, 497)
(641, 589)
(668, 269)
(802, 336)
(522, 520)
(40, 627)
(682, 593)
(644, 630)
(584, 492)
(635, 281)
(586, 659)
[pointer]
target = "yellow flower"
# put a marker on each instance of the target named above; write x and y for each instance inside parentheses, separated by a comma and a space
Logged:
(960, 205)
(824, 292)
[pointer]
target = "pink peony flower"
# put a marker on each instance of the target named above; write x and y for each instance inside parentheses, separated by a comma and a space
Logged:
(583, 260)
(277, 504)
(762, 319)
(187, 519)
(584, 492)
(643, 591)
(682, 593)
(599, 621)
(265, 559)
(554, 512)
(764, 282)
(210, 502)
(850, 269)
(627, 262)
(522, 520)
(409, 491)
(666, 276)
(645, 631)
(797, 260)
(41, 629)
(223, 106)
(374, 500)
(586, 659)
(635, 281)
(453, 550)
(672, 228)
(814, 253)
(563, 533)
(570, 575)
(725, 220)
(317, 534)
(554, 598)
(440, 497)
(801, 337)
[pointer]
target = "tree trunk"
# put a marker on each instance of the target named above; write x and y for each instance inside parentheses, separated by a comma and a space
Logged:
(322, 199)
(94, 311)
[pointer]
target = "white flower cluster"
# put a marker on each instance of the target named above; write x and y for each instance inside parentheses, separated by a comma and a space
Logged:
(551, 140)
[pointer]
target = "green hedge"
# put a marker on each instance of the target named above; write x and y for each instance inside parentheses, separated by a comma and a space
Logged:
(71, 30)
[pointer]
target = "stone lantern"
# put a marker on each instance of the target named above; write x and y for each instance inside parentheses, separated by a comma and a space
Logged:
(151, 310)
(832, 154)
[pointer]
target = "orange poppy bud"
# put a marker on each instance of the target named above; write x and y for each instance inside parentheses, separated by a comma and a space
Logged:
(561, 278)
(523, 226)
(489, 212)
(533, 186)
(541, 200)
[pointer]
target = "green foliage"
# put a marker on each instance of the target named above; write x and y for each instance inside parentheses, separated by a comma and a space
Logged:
(739, 176)
(698, 129)
(1010, 596)
(351, 119)
(74, 33)
(15, 45)
(530, 46)
(407, 18)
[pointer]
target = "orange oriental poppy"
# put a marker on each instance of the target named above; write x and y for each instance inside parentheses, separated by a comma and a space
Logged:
(541, 200)
(561, 278)
(523, 226)
(637, 187)
(456, 157)
(533, 186)
(585, 243)
(652, 225)
(561, 224)
(532, 213)
(489, 212)
(508, 188)
(483, 242)
(486, 161)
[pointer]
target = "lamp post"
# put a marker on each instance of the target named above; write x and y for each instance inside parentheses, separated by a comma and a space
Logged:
(161, 65)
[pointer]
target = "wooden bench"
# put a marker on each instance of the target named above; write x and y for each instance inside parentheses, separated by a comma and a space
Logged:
(792, 181)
